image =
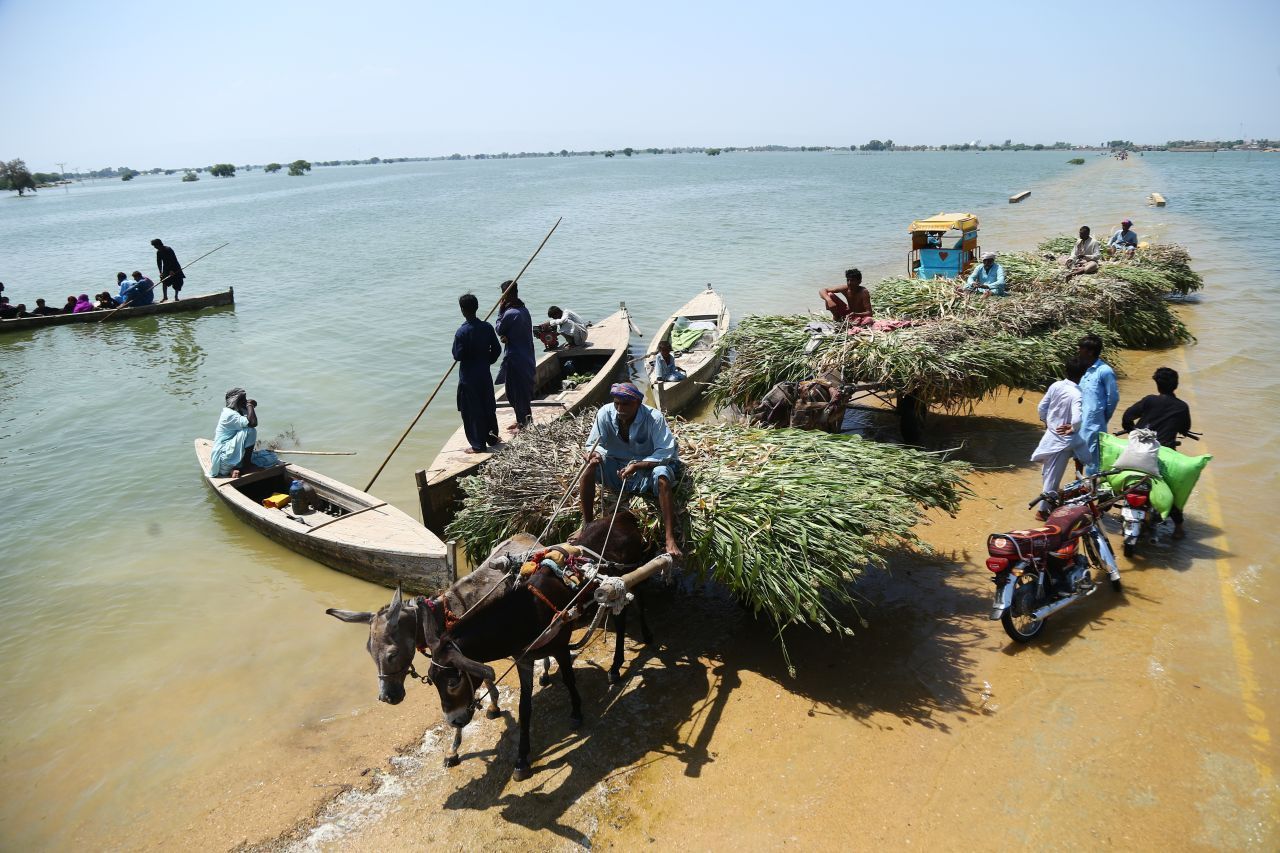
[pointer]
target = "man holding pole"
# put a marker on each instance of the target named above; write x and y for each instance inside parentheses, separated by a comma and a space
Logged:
(519, 367)
(170, 270)
(475, 348)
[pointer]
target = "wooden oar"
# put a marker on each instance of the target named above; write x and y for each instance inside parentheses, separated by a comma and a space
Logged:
(165, 278)
(453, 364)
(317, 452)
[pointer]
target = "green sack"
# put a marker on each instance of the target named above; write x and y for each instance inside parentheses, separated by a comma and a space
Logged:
(1178, 471)
(1161, 497)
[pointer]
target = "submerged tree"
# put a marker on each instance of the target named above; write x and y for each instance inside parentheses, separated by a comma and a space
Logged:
(190, 176)
(222, 170)
(272, 167)
(18, 176)
(299, 167)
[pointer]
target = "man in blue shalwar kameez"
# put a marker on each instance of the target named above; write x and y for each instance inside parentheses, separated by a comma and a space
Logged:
(518, 370)
(235, 436)
(475, 347)
(636, 454)
(1099, 397)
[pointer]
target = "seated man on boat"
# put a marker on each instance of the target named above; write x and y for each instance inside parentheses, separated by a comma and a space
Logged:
(7, 311)
(42, 310)
(235, 436)
(70, 307)
(122, 286)
(987, 277)
(563, 322)
(636, 454)
(1084, 256)
(141, 291)
(858, 308)
(105, 302)
(1124, 240)
(664, 368)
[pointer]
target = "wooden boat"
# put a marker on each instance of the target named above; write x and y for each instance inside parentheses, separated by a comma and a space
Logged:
(350, 531)
(601, 357)
(190, 303)
(701, 362)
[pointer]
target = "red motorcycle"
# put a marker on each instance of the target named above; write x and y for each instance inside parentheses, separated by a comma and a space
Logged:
(1040, 570)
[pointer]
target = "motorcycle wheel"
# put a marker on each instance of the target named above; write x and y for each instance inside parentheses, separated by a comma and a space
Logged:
(1017, 620)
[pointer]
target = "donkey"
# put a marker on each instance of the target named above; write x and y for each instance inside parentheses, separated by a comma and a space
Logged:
(531, 618)
(395, 631)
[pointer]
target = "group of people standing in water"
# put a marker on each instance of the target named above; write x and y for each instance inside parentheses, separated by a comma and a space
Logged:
(133, 292)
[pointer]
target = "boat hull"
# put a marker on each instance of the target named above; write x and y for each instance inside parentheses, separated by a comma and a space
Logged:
(378, 543)
(700, 366)
(193, 303)
(438, 489)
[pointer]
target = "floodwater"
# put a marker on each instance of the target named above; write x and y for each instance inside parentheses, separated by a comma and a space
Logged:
(168, 676)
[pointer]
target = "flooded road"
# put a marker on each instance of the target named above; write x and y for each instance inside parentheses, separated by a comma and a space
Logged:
(213, 704)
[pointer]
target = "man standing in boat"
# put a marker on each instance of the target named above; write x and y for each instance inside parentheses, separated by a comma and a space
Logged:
(519, 367)
(858, 308)
(636, 454)
(170, 270)
(475, 348)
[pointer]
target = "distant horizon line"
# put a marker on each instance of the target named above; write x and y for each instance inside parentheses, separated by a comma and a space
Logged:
(888, 146)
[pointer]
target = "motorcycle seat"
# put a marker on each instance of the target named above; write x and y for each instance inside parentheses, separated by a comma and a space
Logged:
(1068, 518)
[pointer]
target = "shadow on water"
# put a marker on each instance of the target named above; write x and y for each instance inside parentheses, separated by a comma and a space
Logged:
(908, 665)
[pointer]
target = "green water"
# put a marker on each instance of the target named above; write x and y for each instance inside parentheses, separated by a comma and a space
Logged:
(147, 635)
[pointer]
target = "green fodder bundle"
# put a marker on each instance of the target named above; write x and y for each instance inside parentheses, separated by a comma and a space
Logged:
(1165, 267)
(1134, 308)
(784, 519)
(950, 362)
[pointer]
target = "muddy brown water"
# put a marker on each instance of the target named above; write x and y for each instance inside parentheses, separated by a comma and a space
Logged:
(1141, 721)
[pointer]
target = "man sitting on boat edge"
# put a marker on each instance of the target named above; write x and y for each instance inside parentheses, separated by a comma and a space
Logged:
(636, 454)
(235, 436)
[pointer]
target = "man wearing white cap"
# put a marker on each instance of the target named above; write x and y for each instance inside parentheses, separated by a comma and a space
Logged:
(987, 277)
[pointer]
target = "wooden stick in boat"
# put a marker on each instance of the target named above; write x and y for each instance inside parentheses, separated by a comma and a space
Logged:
(317, 452)
(452, 364)
(316, 527)
(125, 304)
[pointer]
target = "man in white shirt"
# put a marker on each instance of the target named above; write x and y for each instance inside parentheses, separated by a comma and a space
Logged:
(569, 324)
(1084, 257)
(1060, 411)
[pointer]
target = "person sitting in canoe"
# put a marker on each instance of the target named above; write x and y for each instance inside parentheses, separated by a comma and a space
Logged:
(42, 310)
(142, 291)
(858, 308)
(636, 454)
(664, 364)
(70, 307)
(987, 277)
(122, 286)
(105, 302)
(235, 436)
(82, 304)
(7, 311)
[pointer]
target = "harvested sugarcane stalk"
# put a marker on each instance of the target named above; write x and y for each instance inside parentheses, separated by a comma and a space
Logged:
(766, 513)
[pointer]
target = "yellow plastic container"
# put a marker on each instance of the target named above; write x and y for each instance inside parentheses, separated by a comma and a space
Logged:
(276, 501)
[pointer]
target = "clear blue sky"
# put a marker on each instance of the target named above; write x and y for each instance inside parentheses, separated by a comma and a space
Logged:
(143, 84)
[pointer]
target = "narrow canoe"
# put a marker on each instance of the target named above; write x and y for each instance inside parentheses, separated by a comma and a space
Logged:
(602, 357)
(190, 303)
(702, 362)
(368, 538)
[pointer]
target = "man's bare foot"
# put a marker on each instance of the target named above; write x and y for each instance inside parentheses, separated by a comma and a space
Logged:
(674, 550)
(472, 450)
(514, 427)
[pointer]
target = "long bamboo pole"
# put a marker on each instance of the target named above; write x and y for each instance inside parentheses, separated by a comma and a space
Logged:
(453, 364)
(165, 278)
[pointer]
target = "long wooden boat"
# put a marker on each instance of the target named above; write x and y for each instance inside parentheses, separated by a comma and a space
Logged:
(190, 303)
(351, 531)
(701, 362)
(601, 357)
